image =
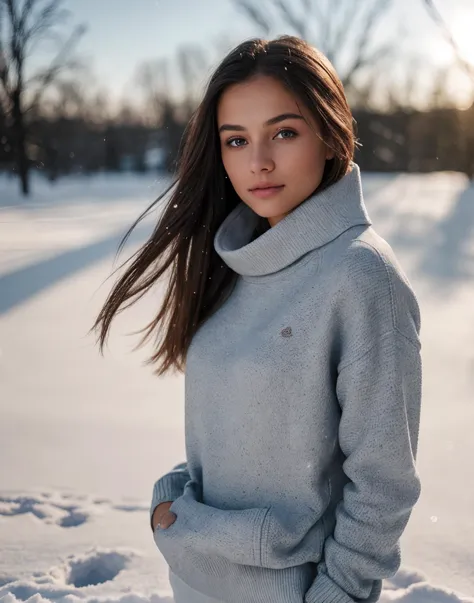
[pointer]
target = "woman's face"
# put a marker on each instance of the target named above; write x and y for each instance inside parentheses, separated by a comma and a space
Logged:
(268, 139)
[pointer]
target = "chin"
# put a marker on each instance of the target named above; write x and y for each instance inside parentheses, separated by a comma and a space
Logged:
(265, 208)
(269, 210)
(268, 215)
(262, 212)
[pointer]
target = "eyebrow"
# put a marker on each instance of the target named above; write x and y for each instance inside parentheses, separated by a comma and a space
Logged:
(269, 122)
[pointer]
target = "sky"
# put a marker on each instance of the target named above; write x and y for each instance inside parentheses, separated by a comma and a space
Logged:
(121, 34)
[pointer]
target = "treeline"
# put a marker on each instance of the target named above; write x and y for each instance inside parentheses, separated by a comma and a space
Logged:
(416, 141)
(58, 122)
(69, 144)
(402, 140)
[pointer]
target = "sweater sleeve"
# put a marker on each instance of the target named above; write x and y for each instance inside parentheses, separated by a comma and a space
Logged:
(169, 487)
(379, 393)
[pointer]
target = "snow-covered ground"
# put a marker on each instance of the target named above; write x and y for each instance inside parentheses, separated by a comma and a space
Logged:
(83, 438)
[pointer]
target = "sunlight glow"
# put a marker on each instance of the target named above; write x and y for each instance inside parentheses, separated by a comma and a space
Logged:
(462, 30)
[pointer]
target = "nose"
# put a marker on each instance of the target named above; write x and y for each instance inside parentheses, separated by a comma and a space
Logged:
(261, 160)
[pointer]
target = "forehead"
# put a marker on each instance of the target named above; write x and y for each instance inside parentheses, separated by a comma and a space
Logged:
(256, 100)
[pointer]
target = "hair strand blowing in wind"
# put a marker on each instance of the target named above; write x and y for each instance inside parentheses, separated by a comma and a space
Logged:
(181, 247)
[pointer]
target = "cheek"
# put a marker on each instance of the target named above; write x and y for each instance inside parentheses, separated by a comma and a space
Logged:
(315, 161)
(234, 168)
(306, 163)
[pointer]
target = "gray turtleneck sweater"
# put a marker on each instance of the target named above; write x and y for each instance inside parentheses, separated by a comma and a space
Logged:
(302, 409)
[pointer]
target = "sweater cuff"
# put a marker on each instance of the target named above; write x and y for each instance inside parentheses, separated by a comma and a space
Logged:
(168, 488)
(325, 590)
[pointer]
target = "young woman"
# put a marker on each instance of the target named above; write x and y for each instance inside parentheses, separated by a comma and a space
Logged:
(299, 336)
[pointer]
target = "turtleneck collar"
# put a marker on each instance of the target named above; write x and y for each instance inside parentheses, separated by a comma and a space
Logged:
(312, 224)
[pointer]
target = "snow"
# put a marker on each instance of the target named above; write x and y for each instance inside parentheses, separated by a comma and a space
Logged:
(83, 437)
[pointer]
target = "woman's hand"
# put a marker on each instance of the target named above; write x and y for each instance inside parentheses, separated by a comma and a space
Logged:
(163, 516)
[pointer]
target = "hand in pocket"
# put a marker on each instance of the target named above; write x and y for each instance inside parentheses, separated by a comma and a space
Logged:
(162, 516)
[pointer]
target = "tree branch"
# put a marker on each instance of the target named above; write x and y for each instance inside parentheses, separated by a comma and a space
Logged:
(4, 63)
(336, 20)
(338, 32)
(15, 40)
(438, 19)
(361, 58)
(25, 13)
(298, 24)
(247, 6)
(49, 16)
(58, 64)
(376, 56)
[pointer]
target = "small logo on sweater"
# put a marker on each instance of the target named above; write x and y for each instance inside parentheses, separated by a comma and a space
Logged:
(286, 332)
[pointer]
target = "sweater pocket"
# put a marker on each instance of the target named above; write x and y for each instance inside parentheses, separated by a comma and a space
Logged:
(292, 536)
(272, 537)
(199, 528)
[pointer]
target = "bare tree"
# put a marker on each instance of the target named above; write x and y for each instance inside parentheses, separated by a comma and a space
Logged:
(341, 29)
(440, 96)
(441, 23)
(398, 90)
(192, 66)
(23, 25)
(169, 112)
(152, 77)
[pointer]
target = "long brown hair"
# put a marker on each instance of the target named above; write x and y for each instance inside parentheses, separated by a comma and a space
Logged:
(201, 196)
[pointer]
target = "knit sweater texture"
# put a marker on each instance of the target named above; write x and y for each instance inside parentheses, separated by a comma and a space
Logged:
(302, 411)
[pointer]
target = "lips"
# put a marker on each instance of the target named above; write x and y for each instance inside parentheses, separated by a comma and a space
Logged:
(265, 186)
(264, 192)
